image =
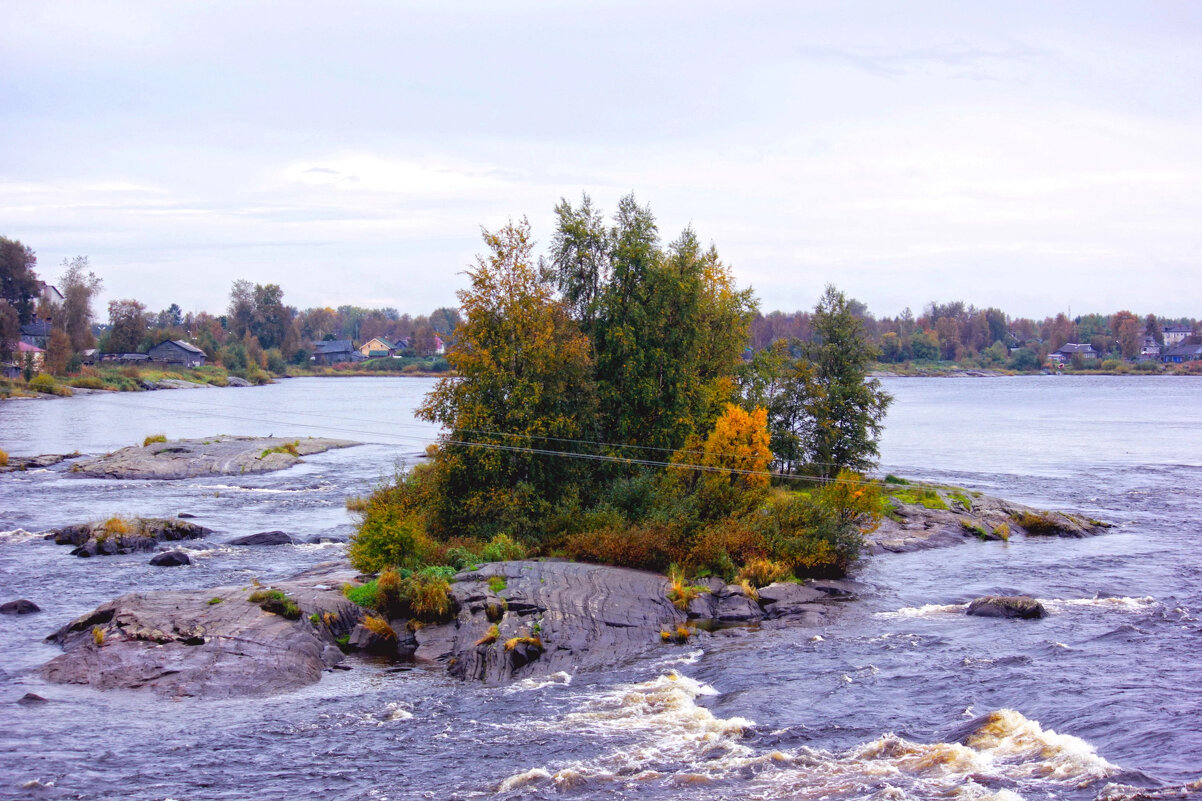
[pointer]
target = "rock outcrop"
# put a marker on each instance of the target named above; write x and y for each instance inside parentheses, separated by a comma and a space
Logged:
(216, 456)
(553, 616)
(923, 517)
(20, 463)
(215, 643)
(119, 535)
(265, 538)
(1020, 606)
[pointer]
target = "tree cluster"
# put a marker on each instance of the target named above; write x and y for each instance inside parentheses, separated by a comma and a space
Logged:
(602, 407)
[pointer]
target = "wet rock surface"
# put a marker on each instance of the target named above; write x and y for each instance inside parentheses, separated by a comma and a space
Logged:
(20, 463)
(1009, 606)
(21, 606)
(171, 559)
(212, 643)
(916, 527)
(215, 456)
(264, 538)
(121, 536)
(553, 616)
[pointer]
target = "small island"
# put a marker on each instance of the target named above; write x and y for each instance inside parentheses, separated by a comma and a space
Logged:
(158, 458)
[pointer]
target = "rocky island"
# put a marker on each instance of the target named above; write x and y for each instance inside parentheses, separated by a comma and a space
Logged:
(214, 456)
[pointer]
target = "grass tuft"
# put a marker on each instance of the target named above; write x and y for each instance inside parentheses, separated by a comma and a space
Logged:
(275, 602)
(153, 438)
(490, 636)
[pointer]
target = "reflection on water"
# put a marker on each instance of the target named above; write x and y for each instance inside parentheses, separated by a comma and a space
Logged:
(903, 696)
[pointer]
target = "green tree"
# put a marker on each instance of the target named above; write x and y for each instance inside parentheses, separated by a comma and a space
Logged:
(79, 286)
(128, 322)
(18, 281)
(844, 406)
(523, 382)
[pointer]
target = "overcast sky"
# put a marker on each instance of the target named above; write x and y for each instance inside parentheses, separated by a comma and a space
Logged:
(1033, 156)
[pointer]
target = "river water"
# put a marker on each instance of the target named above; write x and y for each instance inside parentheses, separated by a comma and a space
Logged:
(903, 696)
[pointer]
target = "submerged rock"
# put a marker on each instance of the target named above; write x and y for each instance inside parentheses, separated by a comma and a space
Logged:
(217, 456)
(21, 606)
(119, 536)
(213, 643)
(31, 699)
(265, 538)
(171, 559)
(1020, 606)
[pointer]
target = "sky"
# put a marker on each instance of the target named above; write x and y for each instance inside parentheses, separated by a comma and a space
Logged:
(1038, 157)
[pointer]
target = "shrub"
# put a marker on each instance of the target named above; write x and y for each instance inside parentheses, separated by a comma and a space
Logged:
(276, 602)
(1035, 523)
(514, 642)
(3, 458)
(153, 438)
(115, 527)
(502, 548)
(392, 532)
(379, 626)
(461, 558)
(721, 548)
(390, 593)
(86, 382)
(98, 635)
(892, 479)
(680, 592)
(45, 383)
(646, 547)
(289, 448)
(429, 594)
(762, 572)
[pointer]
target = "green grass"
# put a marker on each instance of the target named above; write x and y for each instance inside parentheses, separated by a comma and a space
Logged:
(215, 601)
(365, 595)
(962, 499)
(276, 602)
(974, 528)
(497, 584)
(923, 496)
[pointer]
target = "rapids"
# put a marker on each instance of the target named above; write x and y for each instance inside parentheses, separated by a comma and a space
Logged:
(903, 696)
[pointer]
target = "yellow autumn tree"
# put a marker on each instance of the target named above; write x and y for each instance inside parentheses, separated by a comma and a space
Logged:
(727, 472)
(522, 387)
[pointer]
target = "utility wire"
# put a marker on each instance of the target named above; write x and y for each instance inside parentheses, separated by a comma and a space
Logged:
(542, 451)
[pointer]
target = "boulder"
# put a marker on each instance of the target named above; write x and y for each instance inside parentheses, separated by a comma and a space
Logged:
(235, 381)
(31, 699)
(126, 536)
(1020, 606)
(321, 539)
(790, 600)
(20, 606)
(373, 642)
(265, 538)
(735, 606)
(171, 559)
(210, 643)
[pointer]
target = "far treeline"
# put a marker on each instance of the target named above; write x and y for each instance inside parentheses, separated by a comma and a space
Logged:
(960, 334)
(259, 334)
(602, 409)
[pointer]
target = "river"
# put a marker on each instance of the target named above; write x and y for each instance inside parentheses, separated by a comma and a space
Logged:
(903, 696)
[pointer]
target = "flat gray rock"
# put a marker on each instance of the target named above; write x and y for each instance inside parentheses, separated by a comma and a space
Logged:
(215, 456)
(212, 643)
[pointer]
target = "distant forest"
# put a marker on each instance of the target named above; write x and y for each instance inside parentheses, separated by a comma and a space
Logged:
(259, 328)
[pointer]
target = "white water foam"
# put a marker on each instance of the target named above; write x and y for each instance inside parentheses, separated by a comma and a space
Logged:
(18, 535)
(927, 610)
(560, 679)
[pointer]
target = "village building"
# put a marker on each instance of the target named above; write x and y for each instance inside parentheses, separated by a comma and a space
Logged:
(1183, 353)
(334, 351)
(377, 348)
(1175, 334)
(177, 352)
(1070, 349)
